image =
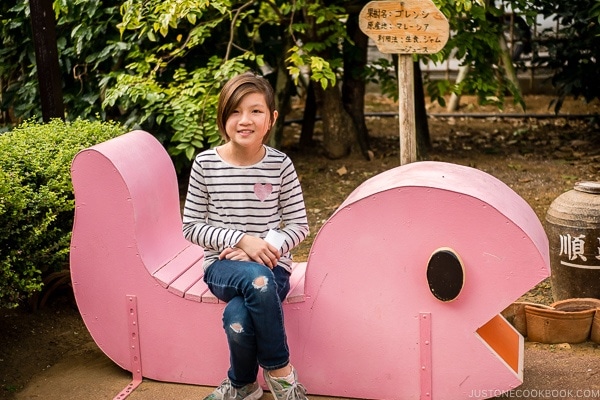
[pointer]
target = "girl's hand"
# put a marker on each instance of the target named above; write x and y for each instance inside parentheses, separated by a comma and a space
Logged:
(259, 250)
(234, 253)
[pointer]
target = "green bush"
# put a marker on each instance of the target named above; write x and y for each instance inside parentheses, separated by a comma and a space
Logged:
(37, 202)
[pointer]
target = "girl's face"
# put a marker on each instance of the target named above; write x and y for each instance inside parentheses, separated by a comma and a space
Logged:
(250, 121)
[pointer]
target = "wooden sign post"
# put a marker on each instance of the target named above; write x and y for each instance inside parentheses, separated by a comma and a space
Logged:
(405, 28)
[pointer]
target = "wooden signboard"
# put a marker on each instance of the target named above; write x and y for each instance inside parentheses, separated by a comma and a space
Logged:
(405, 28)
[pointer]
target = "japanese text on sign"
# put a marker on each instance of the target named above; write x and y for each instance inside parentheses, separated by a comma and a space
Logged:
(574, 248)
(412, 26)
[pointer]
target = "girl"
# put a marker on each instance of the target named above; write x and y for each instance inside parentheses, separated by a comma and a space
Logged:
(238, 192)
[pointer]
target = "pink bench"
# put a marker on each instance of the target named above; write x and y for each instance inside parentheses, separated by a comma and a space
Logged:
(363, 318)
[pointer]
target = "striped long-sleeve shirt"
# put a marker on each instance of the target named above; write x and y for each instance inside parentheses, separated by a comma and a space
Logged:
(224, 202)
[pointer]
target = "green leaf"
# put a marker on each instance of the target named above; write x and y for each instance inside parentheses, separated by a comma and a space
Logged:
(189, 153)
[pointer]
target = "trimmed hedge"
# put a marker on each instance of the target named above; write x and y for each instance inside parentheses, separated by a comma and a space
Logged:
(37, 202)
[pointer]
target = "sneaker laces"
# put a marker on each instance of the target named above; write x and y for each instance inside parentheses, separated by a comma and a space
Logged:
(298, 391)
(293, 391)
(227, 390)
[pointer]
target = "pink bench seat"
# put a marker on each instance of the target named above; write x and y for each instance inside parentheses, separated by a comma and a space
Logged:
(183, 267)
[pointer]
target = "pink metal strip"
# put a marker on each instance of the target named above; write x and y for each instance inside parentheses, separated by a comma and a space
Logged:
(128, 389)
(134, 348)
(425, 351)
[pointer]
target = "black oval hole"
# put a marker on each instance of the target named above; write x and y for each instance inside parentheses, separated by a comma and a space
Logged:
(445, 274)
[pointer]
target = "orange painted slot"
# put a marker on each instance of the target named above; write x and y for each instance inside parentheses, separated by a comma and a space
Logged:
(503, 339)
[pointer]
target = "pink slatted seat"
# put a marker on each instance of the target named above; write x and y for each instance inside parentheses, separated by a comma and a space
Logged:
(187, 279)
(183, 264)
(199, 292)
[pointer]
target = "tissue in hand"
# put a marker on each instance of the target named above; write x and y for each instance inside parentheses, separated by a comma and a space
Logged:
(275, 238)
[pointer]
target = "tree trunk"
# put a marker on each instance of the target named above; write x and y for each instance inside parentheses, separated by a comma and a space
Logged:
(454, 102)
(339, 132)
(338, 127)
(283, 89)
(310, 117)
(46, 55)
(421, 123)
(506, 59)
(353, 84)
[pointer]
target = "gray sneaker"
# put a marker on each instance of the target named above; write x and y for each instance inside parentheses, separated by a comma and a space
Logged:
(283, 390)
(226, 391)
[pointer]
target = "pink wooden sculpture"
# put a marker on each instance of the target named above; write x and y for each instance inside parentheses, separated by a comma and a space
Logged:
(364, 320)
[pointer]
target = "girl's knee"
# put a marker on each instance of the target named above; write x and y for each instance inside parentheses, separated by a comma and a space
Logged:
(261, 283)
(261, 277)
(236, 319)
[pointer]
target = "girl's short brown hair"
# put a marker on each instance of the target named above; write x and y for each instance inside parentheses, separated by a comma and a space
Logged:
(235, 89)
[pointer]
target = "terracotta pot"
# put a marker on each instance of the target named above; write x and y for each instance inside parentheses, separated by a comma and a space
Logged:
(579, 304)
(515, 315)
(595, 333)
(546, 325)
(576, 304)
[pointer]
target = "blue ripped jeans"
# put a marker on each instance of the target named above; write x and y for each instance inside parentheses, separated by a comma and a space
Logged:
(253, 317)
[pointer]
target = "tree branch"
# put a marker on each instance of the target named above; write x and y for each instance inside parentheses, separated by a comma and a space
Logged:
(232, 27)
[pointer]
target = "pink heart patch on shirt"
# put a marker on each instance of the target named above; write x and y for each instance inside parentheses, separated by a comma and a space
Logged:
(263, 190)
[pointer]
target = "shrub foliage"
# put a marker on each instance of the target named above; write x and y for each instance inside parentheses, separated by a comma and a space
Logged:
(36, 200)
